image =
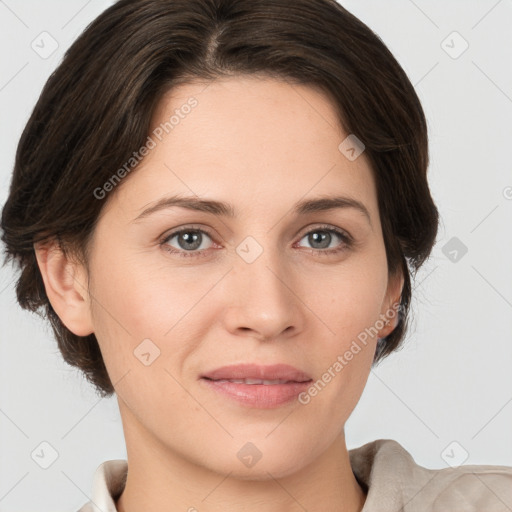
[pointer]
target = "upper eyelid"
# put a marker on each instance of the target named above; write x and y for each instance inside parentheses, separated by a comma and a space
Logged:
(326, 227)
(191, 227)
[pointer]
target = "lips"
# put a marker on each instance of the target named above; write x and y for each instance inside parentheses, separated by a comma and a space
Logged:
(256, 386)
(257, 374)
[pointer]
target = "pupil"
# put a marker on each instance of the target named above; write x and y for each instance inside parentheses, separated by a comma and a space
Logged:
(193, 240)
(323, 237)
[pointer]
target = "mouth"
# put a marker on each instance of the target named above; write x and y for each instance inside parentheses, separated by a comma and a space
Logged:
(262, 387)
(263, 382)
(258, 374)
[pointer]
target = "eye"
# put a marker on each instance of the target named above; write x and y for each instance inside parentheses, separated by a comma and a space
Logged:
(321, 238)
(190, 242)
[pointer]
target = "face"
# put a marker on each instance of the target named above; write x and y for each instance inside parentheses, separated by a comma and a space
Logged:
(269, 284)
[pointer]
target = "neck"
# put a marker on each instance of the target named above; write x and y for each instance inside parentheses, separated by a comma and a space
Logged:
(160, 479)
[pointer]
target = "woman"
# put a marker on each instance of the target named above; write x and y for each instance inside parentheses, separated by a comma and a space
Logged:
(219, 205)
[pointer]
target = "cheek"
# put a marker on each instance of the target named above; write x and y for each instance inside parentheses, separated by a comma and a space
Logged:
(349, 298)
(137, 299)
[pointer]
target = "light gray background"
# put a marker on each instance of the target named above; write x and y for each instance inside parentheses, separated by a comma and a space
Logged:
(446, 397)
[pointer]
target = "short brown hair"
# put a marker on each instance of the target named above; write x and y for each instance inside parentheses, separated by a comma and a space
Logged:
(95, 111)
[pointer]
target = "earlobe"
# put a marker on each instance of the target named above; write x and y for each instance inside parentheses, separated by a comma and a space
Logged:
(392, 304)
(66, 287)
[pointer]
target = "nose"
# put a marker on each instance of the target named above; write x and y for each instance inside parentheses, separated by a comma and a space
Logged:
(263, 298)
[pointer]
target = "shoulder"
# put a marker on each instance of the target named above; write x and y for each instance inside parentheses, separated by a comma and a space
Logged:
(393, 479)
(108, 483)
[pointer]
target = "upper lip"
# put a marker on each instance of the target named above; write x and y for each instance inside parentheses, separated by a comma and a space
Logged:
(254, 371)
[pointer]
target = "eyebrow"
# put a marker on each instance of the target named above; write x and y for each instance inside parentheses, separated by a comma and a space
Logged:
(219, 208)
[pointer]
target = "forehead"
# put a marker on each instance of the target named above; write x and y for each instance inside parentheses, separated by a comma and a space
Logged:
(249, 141)
(249, 111)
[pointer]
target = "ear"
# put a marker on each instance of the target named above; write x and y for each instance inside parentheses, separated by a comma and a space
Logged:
(389, 312)
(65, 282)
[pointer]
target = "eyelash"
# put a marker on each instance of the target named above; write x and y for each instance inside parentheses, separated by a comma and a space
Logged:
(346, 239)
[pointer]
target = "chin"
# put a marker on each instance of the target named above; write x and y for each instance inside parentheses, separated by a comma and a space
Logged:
(261, 461)
(262, 472)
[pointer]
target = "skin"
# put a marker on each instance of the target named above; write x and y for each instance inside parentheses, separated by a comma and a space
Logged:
(261, 145)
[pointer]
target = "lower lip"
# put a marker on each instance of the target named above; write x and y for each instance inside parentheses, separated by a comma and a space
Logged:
(259, 395)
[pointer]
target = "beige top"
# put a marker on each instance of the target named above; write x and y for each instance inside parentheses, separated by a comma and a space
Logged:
(393, 481)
